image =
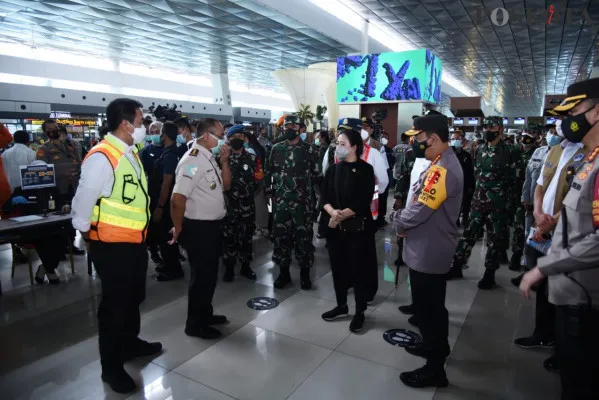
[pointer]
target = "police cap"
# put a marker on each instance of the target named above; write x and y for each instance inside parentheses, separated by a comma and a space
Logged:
(430, 123)
(349, 124)
(577, 93)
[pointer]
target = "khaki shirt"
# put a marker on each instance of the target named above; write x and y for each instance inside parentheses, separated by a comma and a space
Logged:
(67, 163)
(199, 178)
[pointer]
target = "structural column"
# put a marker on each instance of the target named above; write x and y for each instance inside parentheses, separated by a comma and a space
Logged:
(220, 89)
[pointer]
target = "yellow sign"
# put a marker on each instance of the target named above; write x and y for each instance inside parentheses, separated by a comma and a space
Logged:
(71, 122)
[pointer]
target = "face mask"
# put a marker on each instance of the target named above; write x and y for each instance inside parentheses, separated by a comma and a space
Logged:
(155, 139)
(290, 134)
(181, 139)
(419, 148)
(553, 140)
(490, 136)
(139, 134)
(341, 153)
(246, 145)
(384, 141)
(216, 149)
(317, 142)
(456, 143)
(53, 134)
(304, 136)
(575, 127)
(364, 134)
(236, 143)
(558, 128)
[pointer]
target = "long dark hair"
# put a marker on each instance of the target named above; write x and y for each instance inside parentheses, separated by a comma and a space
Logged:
(355, 139)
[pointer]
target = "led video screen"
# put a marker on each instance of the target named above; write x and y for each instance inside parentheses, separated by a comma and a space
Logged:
(473, 121)
(505, 121)
(458, 121)
(389, 77)
(519, 121)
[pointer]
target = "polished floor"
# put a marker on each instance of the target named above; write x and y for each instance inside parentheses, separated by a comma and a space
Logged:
(48, 342)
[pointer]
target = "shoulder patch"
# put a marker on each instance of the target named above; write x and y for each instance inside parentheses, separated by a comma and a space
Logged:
(434, 191)
(194, 153)
(578, 157)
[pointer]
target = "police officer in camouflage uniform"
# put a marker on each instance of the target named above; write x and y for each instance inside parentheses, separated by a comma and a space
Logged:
(526, 148)
(404, 162)
(293, 172)
(495, 175)
(239, 224)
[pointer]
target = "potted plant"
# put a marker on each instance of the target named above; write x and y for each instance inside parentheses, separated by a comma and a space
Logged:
(305, 115)
(320, 112)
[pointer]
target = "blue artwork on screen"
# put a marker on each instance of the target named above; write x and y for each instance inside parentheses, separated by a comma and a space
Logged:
(408, 75)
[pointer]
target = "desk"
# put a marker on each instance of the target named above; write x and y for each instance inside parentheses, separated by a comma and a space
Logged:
(11, 231)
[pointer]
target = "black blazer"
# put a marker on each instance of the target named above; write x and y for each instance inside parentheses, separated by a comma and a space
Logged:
(356, 188)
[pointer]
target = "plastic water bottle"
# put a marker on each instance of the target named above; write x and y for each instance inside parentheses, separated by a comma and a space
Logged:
(51, 204)
(387, 245)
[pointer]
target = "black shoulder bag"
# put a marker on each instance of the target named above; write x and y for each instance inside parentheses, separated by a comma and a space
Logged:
(353, 224)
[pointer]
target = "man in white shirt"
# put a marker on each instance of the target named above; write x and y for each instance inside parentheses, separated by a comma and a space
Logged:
(16, 156)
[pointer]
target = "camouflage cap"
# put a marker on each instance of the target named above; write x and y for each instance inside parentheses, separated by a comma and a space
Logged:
(493, 120)
(291, 119)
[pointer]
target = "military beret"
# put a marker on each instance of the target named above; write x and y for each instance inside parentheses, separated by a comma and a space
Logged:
(577, 93)
(350, 124)
(235, 129)
(291, 119)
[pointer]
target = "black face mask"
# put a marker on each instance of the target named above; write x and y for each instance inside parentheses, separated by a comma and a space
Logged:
(419, 148)
(490, 136)
(575, 127)
(290, 134)
(53, 134)
(236, 143)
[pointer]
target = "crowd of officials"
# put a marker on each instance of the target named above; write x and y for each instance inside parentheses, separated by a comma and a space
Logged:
(149, 187)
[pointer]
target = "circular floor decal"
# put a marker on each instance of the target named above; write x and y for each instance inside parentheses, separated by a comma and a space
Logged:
(263, 303)
(401, 337)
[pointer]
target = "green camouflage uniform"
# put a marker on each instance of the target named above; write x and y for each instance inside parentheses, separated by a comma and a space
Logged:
(404, 162)
(239, 224)
(518, 207)
(495, 175)
(293, 173)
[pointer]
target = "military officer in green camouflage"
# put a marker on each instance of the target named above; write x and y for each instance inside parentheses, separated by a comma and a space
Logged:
(526, 148)
(495, 174)
(239, 223)
(293, 172)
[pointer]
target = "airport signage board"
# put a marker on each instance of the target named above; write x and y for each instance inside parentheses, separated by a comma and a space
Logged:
(413, 75)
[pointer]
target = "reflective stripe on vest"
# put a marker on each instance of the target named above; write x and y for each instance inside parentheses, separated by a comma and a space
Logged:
(123, 216)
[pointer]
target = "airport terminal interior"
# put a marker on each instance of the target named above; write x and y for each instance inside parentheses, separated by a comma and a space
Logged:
(263, 66)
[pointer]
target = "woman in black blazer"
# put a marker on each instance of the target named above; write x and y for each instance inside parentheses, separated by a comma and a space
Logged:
(347, 192)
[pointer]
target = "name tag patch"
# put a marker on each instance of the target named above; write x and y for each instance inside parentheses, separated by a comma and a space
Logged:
(578, 157)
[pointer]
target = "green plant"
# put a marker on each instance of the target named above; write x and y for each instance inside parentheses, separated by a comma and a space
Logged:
(320, 112)
(305, 114)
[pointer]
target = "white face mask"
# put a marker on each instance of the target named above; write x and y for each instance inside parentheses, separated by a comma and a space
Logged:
(364, 134)
(384, 141)
(139, 134)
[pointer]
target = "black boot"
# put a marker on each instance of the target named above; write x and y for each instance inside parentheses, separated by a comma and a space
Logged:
(305, 280)
(247, 272)
(426, 376)
(503, 258)
(488, 281)
(515, 264)
(283, 279)
(118, 379)
(229, 273)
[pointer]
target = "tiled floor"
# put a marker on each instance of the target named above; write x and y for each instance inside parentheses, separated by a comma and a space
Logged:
(48, 346)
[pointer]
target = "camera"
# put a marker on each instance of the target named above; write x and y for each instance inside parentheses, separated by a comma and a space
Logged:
(165, 113)
(377, 117)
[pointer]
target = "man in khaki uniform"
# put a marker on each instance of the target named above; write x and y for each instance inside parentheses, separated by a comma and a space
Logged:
(572, 264)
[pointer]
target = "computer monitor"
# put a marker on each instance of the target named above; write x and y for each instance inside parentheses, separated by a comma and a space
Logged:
(37, 176)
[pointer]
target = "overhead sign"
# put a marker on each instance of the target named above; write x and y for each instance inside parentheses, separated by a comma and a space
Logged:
(458, 121)
(60, 114)
(37, 176)
(389, 77)
(505, 121)
(550, 121)
(70, 122)
(473, 121)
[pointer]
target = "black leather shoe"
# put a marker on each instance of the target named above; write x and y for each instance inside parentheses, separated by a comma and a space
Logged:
(305, 281)
(407, 309)
(551, 364)
(169, 276)
(119, 380)
(204, 332)
(141, 348)
(283, 280)
(247, 272)
(357, 323)
(218, 320)
(414, 321)
(425, 377)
